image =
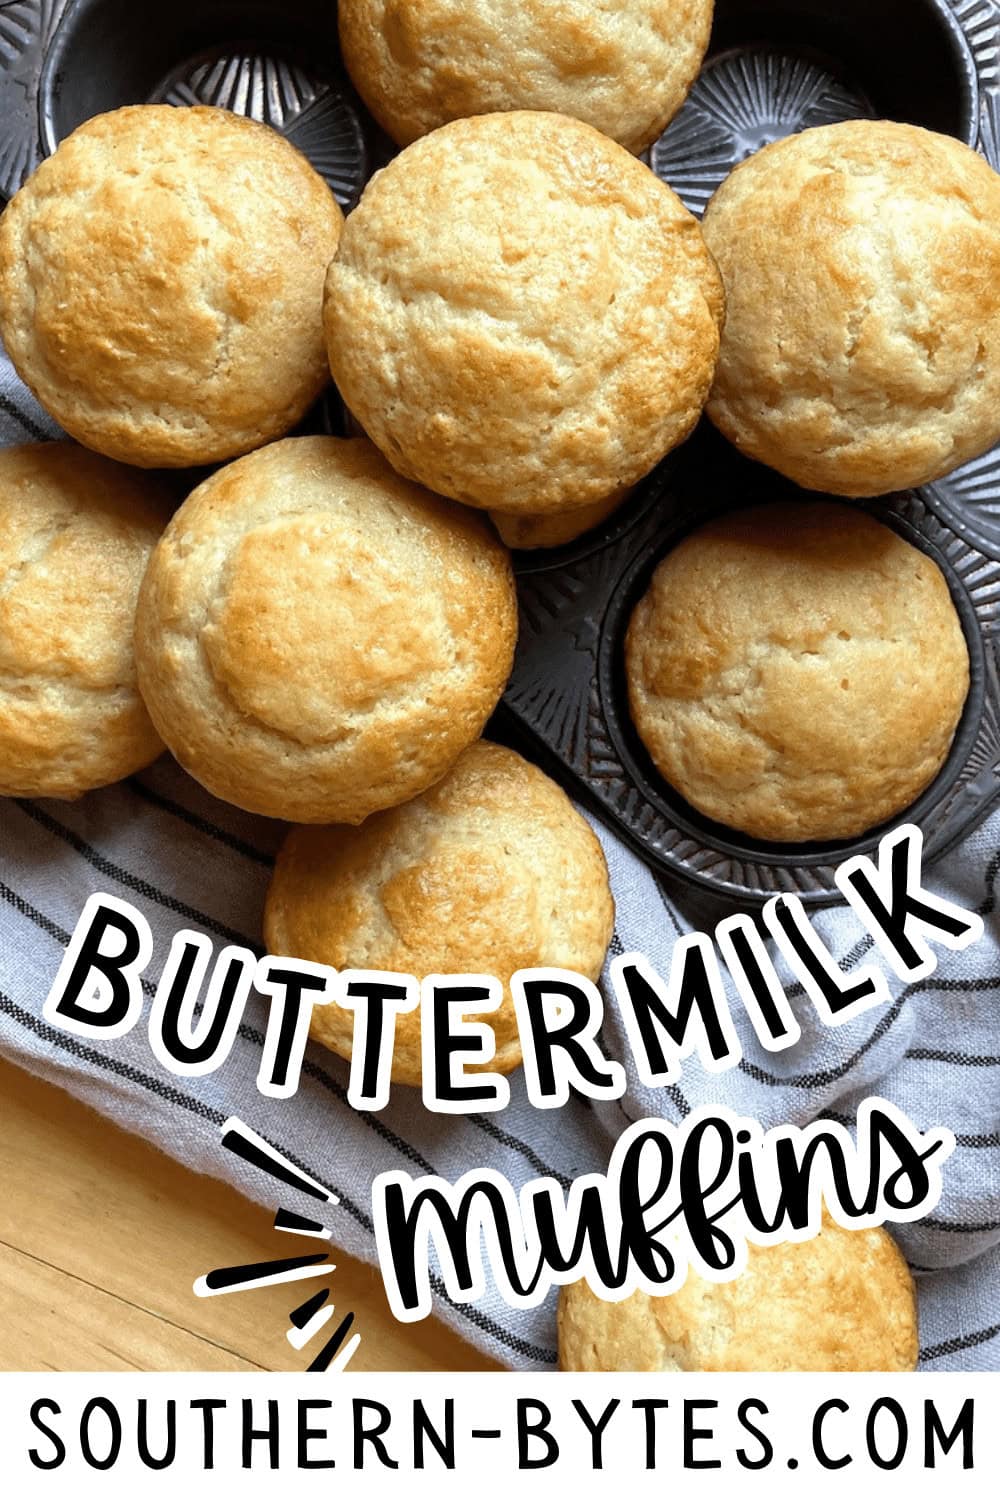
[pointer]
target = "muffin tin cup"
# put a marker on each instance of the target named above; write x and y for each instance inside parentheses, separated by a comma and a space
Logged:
(568, 696)
(780, 67)
(774, 67)
(277, 62)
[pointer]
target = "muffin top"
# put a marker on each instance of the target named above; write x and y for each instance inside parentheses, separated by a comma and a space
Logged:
(797, 671)
(861, 261)
(521, 315)
(490, 871)
(161, 282)
(317, 638)
(76, 533)
(625, 71)
(844, 1300)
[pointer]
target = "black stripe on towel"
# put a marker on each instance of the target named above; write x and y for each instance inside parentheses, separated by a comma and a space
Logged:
(105, 866)
(953, 1346)
(202, 825)
(28, 423)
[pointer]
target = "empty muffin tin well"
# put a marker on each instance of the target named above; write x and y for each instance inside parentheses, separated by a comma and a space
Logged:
(275, 62)
(774, 67)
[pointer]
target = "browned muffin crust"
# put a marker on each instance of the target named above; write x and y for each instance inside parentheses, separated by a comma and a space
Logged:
(76, 533)
(797, 671)
(626, 70)
(317, 639)
(861, 352)
(161, 284)
(521, 315)
(844, 1300)
(490, 871)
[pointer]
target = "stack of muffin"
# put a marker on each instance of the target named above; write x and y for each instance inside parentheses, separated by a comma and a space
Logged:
(523, 320)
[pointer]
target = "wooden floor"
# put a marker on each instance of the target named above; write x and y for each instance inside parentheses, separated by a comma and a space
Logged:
(101, 1238)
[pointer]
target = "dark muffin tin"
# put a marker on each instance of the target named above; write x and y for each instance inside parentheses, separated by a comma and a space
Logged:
(774, 67)
(62, 61)
(569, 689)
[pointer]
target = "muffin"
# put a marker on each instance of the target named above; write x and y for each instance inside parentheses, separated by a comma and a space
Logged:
(76, 533)
(490, 871)
(797, 671)
(316, 638)
(529, 532)
(842, 1301)
(861, 262)
(625, 71)
(521, 316)
(161, 284)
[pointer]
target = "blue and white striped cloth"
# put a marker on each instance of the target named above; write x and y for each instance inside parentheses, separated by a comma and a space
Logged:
(159, 841)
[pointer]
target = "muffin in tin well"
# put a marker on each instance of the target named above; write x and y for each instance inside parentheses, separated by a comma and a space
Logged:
(797, 671)
(624, 69)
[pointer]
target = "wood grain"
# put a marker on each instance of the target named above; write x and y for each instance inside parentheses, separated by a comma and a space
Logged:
(102, 1236)
(87, 1329)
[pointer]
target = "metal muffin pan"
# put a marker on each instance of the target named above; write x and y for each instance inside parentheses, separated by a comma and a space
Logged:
(568, 692)
(62, 61)
(774, 67)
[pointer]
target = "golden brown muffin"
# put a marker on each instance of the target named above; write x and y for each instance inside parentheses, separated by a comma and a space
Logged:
(555, 530)
(76, 533)
(625, 70)
(161, 284)
(521, 316)
(861, 262)
(844, 1300)
(797, 671)
(318, 639)
(490, 871)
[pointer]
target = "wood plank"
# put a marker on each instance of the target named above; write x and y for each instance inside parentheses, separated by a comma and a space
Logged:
(53, 1321)
(83, 1197)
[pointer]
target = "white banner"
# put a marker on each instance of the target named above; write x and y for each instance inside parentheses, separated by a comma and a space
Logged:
(440, 1436)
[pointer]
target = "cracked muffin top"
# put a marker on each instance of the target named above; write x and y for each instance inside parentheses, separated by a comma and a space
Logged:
(844, 1300)
(316, 638)
(490, 871)
(624, 69)
(861, 352)
(161, 284)
(521, 315)
(797, 671)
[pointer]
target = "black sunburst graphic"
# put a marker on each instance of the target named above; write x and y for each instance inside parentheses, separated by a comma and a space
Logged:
(313, 1315)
